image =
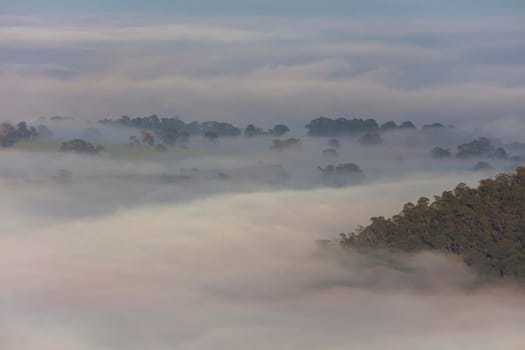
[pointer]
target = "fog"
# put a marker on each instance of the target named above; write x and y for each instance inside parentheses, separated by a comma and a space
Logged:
(200, 241)
(232, 271)
(247, 67)
(142, 252)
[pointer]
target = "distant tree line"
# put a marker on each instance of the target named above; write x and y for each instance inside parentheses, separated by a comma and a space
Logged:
(169, 129)
(323, 126)
(478, 148)
(80, 146)
(11, 134)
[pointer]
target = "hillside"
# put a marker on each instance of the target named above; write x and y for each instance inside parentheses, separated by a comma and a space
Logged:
(485, 225)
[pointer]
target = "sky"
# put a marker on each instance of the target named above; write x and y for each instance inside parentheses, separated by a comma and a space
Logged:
(263, 61)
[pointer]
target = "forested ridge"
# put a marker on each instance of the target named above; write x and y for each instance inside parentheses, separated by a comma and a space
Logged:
(485, 225)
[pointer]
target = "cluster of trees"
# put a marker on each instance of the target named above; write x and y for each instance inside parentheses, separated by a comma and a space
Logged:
(341, 174)
(11, 134)
(80, 146)
(433, 126)
(341, 126)
(280, 145)
(278, 130)
(341, 169)
(175, 125)
(481, 147)
(145, 138)
(484, 225)
(172, 128)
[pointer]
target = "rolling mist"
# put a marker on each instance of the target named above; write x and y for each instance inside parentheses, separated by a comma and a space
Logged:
(221, 223)
(160, 252)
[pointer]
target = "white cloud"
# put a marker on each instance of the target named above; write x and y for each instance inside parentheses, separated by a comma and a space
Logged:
(162, 277)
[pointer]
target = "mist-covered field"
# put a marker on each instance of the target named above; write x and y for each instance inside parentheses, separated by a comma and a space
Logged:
(216, 245)
(217, 224)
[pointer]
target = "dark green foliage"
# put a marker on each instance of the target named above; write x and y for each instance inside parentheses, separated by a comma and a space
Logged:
(407, 125)
(342, 174)
(219, 128)
(161, 125)
(10, 134)
(341, 126)
(391, 125)
(80, 146)
(433, 126)
(481, 147)
(440, 153)
(147, 138)
(168, 136)
(252, 131)
(485, 225)
(279, 130)
(291, 143)
(347, 168)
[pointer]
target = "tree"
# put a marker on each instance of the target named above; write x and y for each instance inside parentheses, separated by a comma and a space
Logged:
(484, 225)
(251, 131)
(341, 174)
(481, 147)
(341, 126)
(147, 138)
(391, 125)
(134, 141)
(291, 143)
(279, 130)
(8, 134)
(433, 126)
(169, 136)
(407, 125)
(80, 146)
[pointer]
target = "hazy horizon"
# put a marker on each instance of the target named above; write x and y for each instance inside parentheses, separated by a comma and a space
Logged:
(258, 61)
(157, 235)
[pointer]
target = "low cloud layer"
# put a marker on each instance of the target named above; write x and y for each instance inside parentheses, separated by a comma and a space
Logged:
(264, 69)
(162, 277)
(112, 256)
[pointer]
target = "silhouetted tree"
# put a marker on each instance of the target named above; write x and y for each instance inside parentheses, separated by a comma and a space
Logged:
(279, 130)
(80, 146)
